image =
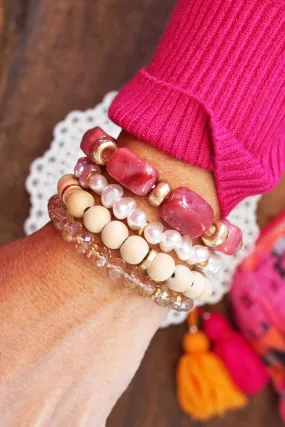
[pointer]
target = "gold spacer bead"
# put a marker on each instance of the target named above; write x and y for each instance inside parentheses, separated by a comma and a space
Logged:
(211, 230)
(219, 237)
(68, 190)
(159, 193)
(148, 259)
(202, 264)
(105, 149)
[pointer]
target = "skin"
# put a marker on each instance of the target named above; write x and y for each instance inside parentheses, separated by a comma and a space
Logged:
(71, 340)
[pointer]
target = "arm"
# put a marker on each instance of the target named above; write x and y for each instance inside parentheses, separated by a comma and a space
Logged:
(70, 340)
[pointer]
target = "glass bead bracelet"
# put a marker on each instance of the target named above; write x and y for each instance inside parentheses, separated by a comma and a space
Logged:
(87, 243)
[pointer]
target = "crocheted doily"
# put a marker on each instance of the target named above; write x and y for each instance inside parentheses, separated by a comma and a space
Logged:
(61, 157)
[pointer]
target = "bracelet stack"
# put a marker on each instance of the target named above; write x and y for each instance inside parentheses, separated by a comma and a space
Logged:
(98, 218)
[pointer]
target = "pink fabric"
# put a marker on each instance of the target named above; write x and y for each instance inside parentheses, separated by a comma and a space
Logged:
(214, 93)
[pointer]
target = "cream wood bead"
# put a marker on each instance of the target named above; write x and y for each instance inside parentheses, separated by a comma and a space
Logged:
(96, 218)
(181, 279)
(78, 202)
(162, 267)
(197, 287)
(134, 250)
(208, 290)
(114, 234)
(64, 181)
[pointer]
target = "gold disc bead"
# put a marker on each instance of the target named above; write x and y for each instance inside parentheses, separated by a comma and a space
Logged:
(219, 237)
(102, 150)
(159, 193)
(148, 259)
(68, 190)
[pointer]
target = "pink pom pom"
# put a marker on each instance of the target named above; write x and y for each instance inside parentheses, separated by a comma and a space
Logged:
(246, 368)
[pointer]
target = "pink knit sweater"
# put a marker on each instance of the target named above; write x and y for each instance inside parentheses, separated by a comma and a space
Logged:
(214, 93)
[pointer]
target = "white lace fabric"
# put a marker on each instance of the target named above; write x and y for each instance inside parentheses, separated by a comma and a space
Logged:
(60, 159)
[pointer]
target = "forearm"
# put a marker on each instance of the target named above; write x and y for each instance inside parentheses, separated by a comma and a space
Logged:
(71, 340)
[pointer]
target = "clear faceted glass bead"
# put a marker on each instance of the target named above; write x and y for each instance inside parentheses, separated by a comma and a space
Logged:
(187, 304)
(162, 296)
(71, 230)
(181, 303)
(101, 255)
(116, 268)
(132, 277)
(83, 242)
(146, 287)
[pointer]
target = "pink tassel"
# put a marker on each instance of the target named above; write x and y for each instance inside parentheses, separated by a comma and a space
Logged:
(246, 368)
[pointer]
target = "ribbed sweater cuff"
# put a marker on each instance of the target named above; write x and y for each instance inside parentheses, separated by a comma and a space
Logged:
(144, 108)
(214, 94)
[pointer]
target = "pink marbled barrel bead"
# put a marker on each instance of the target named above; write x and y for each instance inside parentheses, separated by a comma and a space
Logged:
(187, 212)
(234, 240)
(89, 139)
(132, 172)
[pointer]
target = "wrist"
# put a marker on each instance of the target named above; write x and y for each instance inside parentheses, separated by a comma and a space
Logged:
(176, 172)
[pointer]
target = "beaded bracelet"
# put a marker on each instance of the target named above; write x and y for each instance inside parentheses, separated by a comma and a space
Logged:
(115, 235)
(181, 208)
(88, 244)
(125, 208)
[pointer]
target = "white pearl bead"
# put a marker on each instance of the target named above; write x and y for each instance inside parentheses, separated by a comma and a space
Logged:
(98, 183)
(111, 194)
(215, 263)
(197, 287)
(153, 232)
(123, 207)
(181, 280)
(161, 268)
(208, 290)
(96, 218)
(114, 234)
(78, 202)
(198, 255)
(134, 250)
(171, 239)
(136, 219)
(184, 250)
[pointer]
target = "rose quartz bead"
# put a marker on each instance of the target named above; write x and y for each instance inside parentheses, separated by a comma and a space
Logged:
(234, 240)
(85, 174)
(187, 212)
(132, 172)
(78, 169)
(90, 137)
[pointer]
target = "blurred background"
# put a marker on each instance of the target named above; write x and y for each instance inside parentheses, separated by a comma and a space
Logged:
(58, 56)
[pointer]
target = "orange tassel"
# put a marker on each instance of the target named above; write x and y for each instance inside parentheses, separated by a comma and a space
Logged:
(204, 385)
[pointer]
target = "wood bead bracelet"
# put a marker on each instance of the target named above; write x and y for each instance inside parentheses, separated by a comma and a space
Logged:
(115, 235)
(125, 208)
(182, 209)
(88, 244)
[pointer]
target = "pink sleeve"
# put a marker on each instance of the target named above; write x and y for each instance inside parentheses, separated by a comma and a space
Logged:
(214, 93)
